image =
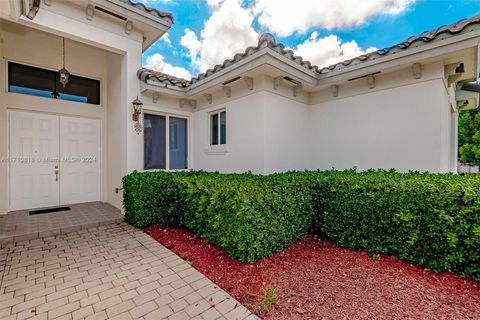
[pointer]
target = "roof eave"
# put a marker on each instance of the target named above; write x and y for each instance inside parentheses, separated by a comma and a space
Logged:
(266, 56)
(136, 13)
(157, 87)
(403, 57)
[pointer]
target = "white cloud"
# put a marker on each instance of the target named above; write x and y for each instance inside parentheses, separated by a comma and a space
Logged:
(214, 3)
(228, 31)
(286, 17)
(157, 62)
(328, 50)
(191, 42)
(166, 38)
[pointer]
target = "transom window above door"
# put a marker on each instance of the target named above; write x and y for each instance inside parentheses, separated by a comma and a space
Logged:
(45, 83)
(158, 154)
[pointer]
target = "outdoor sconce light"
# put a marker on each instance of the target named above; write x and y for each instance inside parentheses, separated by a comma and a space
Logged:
(63, 73)
(137, 111)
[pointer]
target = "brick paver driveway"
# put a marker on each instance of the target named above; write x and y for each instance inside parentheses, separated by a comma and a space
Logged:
(110, 272)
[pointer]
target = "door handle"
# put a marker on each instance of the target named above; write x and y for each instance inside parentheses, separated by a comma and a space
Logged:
(56, 173)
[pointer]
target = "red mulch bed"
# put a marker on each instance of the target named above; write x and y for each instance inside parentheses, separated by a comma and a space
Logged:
(315, 279)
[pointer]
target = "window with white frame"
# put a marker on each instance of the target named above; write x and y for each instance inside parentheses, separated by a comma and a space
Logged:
(218, 128)
(158, 154)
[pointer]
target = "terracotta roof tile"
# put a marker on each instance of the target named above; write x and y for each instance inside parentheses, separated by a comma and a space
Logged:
(267, 40)
(145, 74)
(425, 37)
(152, 11)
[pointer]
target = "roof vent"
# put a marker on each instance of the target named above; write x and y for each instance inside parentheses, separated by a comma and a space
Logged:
(364, 76)
(231, 80)
(295, 82)
(113, 14)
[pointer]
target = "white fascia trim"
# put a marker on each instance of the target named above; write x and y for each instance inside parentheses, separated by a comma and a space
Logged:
(218, 77)
(134, 13)
(407, 56)
(259, 58)
(154, 86)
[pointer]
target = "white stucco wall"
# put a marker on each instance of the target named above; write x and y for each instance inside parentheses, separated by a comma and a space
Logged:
(402, 123)
(110, 36)
(17, 46)
(114, 147)
(244, 150)
(97, 49)
(405, 127)
(286, 134)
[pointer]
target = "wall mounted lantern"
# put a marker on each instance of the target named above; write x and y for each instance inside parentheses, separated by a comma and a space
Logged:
(63, 73)
(137, 111)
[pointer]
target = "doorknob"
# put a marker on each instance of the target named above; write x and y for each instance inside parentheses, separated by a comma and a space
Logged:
(56, 173)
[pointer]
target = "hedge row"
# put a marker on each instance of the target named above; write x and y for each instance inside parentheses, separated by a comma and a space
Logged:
(432, 220)
(248, 216)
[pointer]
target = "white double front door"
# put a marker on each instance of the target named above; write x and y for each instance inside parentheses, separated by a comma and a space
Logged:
(54, 160)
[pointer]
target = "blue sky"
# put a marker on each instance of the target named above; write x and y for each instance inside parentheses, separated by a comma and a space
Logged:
(206, 32)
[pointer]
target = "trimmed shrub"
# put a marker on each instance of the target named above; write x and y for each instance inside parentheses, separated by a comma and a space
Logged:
(432, 220)
(150, 198)
(248, 216)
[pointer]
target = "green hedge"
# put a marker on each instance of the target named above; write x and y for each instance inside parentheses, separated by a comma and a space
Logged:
(246, 215)
(432, 220)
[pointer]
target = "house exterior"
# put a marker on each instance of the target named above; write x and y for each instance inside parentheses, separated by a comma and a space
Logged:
(264, 111)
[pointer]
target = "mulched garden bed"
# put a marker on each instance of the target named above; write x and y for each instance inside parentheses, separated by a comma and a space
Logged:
(315, 279)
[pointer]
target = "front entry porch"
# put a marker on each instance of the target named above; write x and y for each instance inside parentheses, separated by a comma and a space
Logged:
(20, 225)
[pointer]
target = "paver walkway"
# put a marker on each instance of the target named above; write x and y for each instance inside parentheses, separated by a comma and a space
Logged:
(21, 226)
(107, 272)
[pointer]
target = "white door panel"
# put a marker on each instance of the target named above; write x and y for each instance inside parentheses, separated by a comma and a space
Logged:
(40, 144)
(80, 152)
(34, 153)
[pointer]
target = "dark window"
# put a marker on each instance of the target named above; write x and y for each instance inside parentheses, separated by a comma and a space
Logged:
(214, 129)
(45, 83)
(154, 140)
(223, 127)
(178, 143)
(218, 128)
